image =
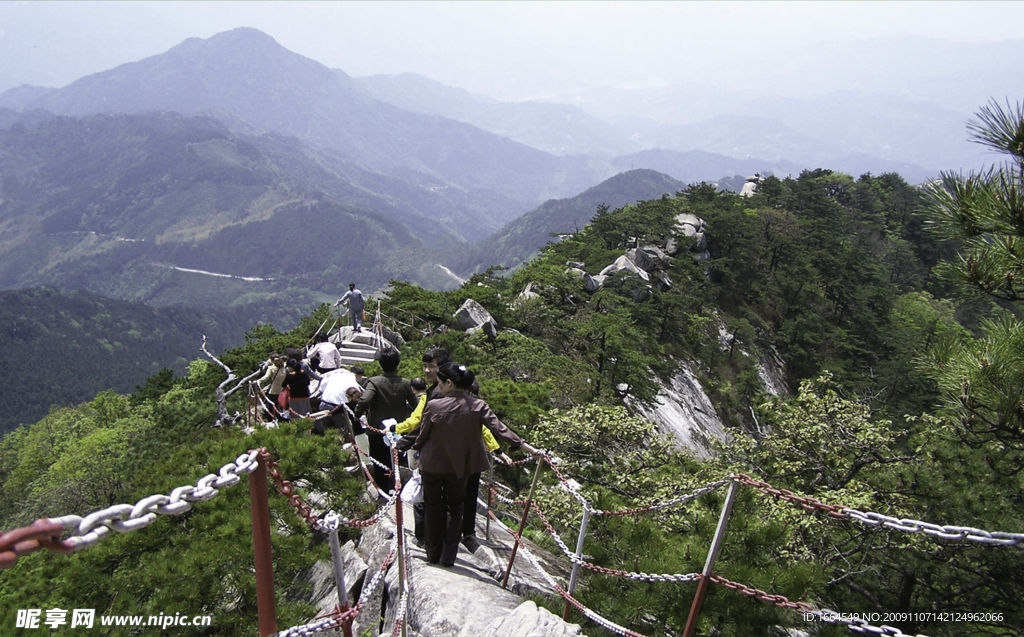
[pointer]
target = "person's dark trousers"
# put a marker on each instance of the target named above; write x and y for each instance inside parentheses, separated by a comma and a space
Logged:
(338, 420)
(443, 494)
(469, 504)
(381, 453)
(419, 524)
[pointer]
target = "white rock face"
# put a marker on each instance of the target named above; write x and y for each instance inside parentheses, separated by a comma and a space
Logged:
(624, 263)
(589, 284)
(686, 412)
(691, 226)
(472, 314)
(771, 373)
(528, 620)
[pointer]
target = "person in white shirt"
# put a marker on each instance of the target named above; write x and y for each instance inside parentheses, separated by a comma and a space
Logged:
(326, 353)
(336, 390)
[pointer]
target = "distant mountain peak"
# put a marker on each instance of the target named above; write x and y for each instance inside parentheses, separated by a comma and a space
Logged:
(245, 36)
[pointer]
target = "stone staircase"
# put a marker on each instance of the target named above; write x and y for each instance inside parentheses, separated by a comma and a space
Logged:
(356, 348)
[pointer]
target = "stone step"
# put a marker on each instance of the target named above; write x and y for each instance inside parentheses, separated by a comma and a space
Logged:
(355, 345)
(350, 361)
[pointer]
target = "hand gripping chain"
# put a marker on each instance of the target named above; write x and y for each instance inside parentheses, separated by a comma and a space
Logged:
(856, 625)
(46, 533)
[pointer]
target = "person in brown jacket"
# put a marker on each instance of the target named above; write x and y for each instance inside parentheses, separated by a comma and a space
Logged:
(451, 448)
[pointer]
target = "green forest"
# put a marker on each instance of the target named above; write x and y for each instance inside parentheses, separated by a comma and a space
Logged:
(894, 308)
(62, 347)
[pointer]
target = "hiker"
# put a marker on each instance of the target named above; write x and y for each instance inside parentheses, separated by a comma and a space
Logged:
(356, 304)
(297, 382)
(327, 354)
(451, 449)
(433, 358)
(469, 539)
(386, 396)
(360, 375)
(275, 375)
(337, 390)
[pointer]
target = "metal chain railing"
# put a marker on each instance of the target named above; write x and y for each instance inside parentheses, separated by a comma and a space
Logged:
(667, 504)
(905, 525)
(122, 518)
(591, 615)
(403, 608)
(644, 509)
(646, 577)
(337, 619)
(806, 502)
(855, 624)
(970, 534)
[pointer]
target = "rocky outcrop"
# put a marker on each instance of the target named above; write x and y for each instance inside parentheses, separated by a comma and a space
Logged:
(528, 294)
(589, 283)
(771, 371)
(625, 264)
(649, 262)
(691, 226)
(464, 600)
(473, 318)
(684, 411)
(750, 185)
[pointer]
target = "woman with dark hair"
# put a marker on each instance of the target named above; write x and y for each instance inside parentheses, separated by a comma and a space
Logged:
(297, 382)
(451, 449)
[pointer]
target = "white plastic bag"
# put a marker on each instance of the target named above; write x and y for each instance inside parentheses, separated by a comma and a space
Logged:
(412, 491)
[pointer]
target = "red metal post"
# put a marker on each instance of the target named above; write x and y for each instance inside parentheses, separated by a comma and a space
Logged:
(522, 523)
(259, 503)
(709, 565)
(399, 521)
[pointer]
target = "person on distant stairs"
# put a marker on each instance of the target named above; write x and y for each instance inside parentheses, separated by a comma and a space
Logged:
(356, 303)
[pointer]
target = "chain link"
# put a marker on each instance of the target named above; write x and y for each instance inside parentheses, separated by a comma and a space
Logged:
(667, 504)
(403, 607)
(830, 616)
(944, 532)
(905, 525)
(337, 618)
(565, 483)
(644, 509)
(503, 499)
(591, 615)
(46, 533)
(806, 502)
(646, 577)
(285, 488)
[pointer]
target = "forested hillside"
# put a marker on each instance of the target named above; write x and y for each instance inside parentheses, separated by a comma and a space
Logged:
(62, 348)
(905, 404)
(521, 239)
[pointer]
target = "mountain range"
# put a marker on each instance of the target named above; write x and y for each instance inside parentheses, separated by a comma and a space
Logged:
(230, 169)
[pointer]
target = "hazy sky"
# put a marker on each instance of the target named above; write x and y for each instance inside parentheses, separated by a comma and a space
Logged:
(512, 50)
